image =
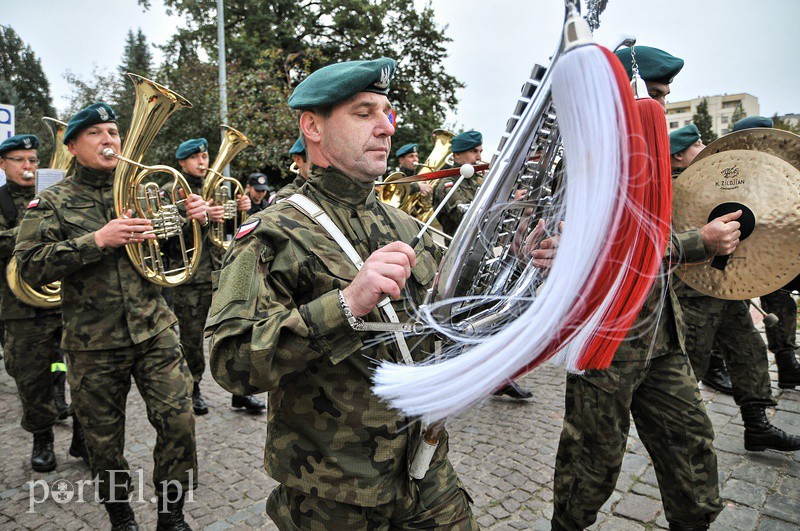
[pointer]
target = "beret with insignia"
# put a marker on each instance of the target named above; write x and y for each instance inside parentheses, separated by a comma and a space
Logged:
(96, 113)
(466, 141)
(190, 147)
(19, 142)
(682, 138)
(337, 82)
(654, 65)
(299, 148)
(406, 149)
(752, 121)
(258, 181)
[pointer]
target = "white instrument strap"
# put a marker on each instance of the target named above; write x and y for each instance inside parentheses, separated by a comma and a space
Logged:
(315, 212)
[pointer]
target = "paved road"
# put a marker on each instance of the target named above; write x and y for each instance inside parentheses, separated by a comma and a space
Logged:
(503, 450)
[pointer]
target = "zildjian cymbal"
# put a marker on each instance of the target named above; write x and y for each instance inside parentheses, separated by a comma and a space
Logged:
(782, 144)
(767, 190)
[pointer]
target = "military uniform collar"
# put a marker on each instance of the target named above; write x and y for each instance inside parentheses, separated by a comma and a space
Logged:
(676, 172)
(18, 189)
(193, 181)
(340, 188)
(93, 178)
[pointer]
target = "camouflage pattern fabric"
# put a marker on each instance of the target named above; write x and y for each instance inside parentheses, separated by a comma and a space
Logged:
(669, 415)
(278, 326)
(728, 325)
(29, 350)
(289, 189)
(100, 381)
(106, 304)
(451, 215)
(436, 502)
(783, 336)
(191, 304)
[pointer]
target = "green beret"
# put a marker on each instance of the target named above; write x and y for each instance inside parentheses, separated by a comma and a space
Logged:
(654, 65)
(752, 121)
(337, 82)
(406, 149)
(19, 142)
(682, 138)
(299, 148)
(190, 147)
(466, 141)
(96, 113)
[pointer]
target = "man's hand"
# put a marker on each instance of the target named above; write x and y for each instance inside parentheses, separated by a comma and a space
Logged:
(215, 213)
(721, 235)
(124, 230)
(243, 203)
(196, 208)
(544, 254)
(384, 273)
(425, 188)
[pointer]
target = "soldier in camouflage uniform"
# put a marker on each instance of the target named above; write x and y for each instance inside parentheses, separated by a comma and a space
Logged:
(728, 324)
(408, 158)
(282, 316)
(33, 334)
(300, 158)
(116, 324)
(193, 298)
(650, 378)
(467, 149)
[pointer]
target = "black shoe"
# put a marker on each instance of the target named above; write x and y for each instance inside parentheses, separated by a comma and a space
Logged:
(121, 516)
(719, 379)
(512, 390)
(250, 403)
(760, 435)
(59, 395)
(170, 514)
(198, 402)
(788, 369)
(679, 527)
(43, 458)
(77, 447)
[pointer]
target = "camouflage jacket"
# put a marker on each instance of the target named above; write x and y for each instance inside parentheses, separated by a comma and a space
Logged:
(290, 188)
(278, 326)
(659, 327)
(451, 215)
(10, 306)
(106, 304)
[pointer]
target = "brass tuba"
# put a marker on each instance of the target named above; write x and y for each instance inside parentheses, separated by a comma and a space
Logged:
(154, 104)
(49, 295)
(216, 187)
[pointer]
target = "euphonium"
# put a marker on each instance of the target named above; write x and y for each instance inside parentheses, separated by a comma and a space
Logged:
(49, 295)
(154, 104)
(216, 187)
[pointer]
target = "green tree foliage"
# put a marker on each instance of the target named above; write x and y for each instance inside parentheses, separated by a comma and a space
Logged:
(704, 123)
(780, 123)
(738, 114)
(272, 45)
(98, 86)
(136, 59)
(24, 85)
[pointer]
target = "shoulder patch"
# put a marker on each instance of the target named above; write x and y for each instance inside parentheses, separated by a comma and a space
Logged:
(449, 185)
(247, 228)
(34, 203)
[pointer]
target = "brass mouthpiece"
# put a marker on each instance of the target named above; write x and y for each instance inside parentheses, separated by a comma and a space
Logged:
(28, 175)
(109, 153)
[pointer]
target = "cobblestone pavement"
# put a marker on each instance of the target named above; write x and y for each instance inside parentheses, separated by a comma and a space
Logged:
(503, 450)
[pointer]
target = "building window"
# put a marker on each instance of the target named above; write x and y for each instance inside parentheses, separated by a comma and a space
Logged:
(725, 119)
(673, 125)
(725, 131)
(730, 104)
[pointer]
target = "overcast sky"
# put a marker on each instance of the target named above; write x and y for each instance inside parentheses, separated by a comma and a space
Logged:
(729, 46)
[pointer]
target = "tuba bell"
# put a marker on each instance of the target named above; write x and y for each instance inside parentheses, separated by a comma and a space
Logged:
(154, 104)
(218, 187)
(49, 295)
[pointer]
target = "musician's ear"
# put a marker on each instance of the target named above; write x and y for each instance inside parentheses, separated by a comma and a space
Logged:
(311, 124)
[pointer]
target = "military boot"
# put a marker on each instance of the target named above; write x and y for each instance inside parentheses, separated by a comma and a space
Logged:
(198, 402)
(717, 376)
(60, 395)
(250, 403)
(515, 391)
(43, 458)
(170, 514)
(679, 527)
(77, 447)
(760, 435)
(788, 369)
(121, 516)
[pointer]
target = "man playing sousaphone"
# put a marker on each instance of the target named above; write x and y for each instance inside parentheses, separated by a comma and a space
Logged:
(117, 325)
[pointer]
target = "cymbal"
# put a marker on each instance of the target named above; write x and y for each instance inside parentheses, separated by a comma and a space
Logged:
(767, 189)
(782, 144)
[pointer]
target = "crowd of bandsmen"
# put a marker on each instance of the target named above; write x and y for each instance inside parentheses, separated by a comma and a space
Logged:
(284, 315)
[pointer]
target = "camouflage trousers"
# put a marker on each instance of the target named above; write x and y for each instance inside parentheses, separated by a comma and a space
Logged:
(662, 395)
(728, 326)
(100, 382)
(31, 347)
(783, 336)
(191, 304)
(437, 501)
